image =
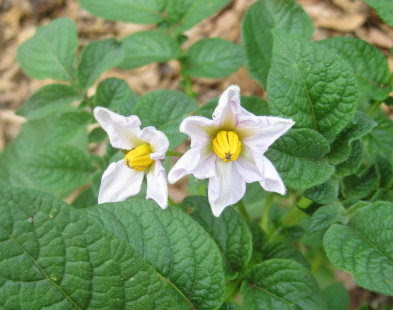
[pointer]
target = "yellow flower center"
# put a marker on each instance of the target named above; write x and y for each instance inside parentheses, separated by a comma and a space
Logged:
(139, 157)
(227, 145)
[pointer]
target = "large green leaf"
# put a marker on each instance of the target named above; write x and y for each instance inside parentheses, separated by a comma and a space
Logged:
(312, 85)
(213, 58)
(379, 141)
(133, 11)
(165, 109)
(260, 18)
(115, 95)
(364, 247)
(98, 57)
(50, 98)
(229, 231)
(368, 63)
(298, 157)
(142, 48)
(170, 241)
(281, 284)
(384, 9)
(65, 260)
(50, 53)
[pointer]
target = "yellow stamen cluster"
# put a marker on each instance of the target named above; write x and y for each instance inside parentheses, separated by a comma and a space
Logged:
(139, 157)
(227, 145)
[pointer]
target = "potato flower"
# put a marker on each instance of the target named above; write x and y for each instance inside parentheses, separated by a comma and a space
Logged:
(229, 150)
(144, 150)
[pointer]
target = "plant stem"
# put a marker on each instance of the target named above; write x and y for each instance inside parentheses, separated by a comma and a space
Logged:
(242, 209)
(373, 108)
(174, 153)
(264, 223)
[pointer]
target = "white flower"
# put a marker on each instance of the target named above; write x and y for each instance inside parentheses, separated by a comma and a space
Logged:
(144, 150)
(229, 151)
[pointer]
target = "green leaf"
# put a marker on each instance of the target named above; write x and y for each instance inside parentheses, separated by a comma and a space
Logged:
(260, 18)
(364, 248)
(384, 9)
(66, 261)
(229, 231)
(50, 98)
(281, 284)
(323, 193)
(327, 215)
(170, 241)
(352, 164)
(336, 296)
(132, 11)
(358, 187)
(98, 57)
(284, 249)
(298, 157)
(213, 58)
(97, 135)
(142, 48)
(164, 109)
(379, 141)
(312, 85)
(50, 53)
(359, 126)
(115, 95)
(193, 11)
(368, 63)
(384, 169)
(230, 306)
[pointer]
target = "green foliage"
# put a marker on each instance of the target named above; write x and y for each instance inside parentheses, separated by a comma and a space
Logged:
(298, 157)
(48, 99)
(364, 247)
(311, 85)
(323, 193)
(379, 141)
(229, 231)
(281, 284)
(368, 63)
(326, 216)
(50, 53)
(142, 48)
(360, 186)
(384, 9)
(260, 19)
(336, 297)
(352, 164)
(212, 58)
(98, 57)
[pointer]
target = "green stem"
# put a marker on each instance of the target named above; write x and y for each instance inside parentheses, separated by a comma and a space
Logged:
(174, 153)
(242, 209)
(264, 223)
(374, 107)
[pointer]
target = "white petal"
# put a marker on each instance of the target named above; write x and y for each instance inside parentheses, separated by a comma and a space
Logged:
(157, 140)
(157, 186)
(248, 169)
(122, 131)
(119, 182)
(185, 165)
(271, 181)
(228, 108)
(226, 188)
(259, 132)
(198, 128)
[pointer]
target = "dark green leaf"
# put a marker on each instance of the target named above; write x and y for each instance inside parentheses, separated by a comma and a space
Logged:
(98, 57)
(352, 164)
(336, 296)
(379, 141)
(358, 187)
(384, 169)
(312, 85)
(260, 18)
(213, 58)
(324, 193)
(326, 216)
(50, 53)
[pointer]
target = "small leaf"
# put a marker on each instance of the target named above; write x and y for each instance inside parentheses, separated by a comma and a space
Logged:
(50, 53)
(360, 125)
(281, 284)
(364, 248)
(213, 58)
(368, 63)
(142, 48)
(50, 98)
(384, 169)
(358, 187)
(229, 231)
(298, 157)
(327, 215)
(194, 11)
(132, 11)
(260, 18)
(67, 261)
(310, 84)
(163, 107)
(324, 193)
(352, 164)
(115, 95)
(170, 241)
(379, 140)
(98, 57)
